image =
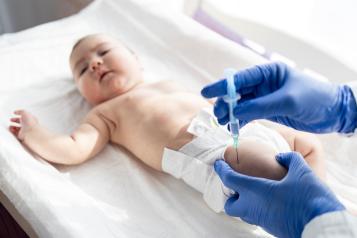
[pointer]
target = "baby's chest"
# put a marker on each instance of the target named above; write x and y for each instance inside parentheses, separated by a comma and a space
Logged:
(154, 108)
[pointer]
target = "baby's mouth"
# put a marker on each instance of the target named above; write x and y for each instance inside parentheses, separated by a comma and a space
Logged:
(103, 75)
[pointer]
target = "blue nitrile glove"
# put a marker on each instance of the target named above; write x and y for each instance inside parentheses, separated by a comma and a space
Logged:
(277, 92)
(284, 207)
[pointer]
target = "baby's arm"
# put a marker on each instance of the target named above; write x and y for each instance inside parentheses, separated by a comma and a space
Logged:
(85, 142)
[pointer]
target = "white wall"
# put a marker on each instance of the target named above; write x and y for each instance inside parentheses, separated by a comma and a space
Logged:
(17, 15)
(316, 34)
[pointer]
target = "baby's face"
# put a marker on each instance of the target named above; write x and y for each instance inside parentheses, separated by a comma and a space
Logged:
(103, 68)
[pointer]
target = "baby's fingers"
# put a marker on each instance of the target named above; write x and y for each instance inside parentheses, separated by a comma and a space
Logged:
(15, 119)
(14, 129)
(15, 122)
(19, 112)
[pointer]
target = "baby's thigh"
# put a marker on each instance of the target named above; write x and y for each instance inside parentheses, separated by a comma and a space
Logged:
(255, 159)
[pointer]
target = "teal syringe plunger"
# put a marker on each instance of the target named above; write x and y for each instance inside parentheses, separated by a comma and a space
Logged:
(231, 98)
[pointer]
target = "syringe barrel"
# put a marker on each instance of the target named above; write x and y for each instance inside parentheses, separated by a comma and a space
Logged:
(231, 98)
(234, 128)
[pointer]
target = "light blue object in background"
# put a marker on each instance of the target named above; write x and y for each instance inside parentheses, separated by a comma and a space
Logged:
(231, 98)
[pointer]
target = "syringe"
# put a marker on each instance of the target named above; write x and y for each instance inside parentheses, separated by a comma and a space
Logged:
(231, 98)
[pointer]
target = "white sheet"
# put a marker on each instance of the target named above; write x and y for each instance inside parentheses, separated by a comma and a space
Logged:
(112, 195)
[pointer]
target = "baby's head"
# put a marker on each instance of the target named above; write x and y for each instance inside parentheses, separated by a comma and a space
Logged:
(103, 68)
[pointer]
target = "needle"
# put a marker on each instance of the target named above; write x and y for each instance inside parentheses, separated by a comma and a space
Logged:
(237, 155)
(235, 145)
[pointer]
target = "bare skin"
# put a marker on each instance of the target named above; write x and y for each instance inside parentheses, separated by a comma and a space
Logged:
(144, 118)
(254, 161)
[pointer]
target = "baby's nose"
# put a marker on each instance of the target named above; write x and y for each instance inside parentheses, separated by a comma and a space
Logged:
(95, 64)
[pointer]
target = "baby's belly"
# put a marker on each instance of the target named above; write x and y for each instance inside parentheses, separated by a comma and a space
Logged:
(148, 142)
(146, 127)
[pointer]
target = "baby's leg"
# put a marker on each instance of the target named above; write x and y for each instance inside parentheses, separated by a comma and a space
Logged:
(255, 159)
(308, 145)
(194, 164)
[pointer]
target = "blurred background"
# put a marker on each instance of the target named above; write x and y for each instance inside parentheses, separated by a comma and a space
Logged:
(317, 36)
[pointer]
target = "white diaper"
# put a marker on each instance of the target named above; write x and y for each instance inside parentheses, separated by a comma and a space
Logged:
(193, 162)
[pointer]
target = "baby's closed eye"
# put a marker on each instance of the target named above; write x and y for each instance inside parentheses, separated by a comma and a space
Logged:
(83, 70)
(103, 52)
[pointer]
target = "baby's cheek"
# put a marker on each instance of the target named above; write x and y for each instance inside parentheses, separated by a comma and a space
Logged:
(255, 159)
(90, 92)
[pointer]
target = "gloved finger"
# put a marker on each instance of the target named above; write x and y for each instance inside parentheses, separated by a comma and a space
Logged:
(219, 89)
(216, 89)
(297, 165)
(236, 181)
(248, 78)
(239, 206)
(290, 160)
(246, 91)
(220, 109)
(246, 97)
(241, 124)
(223, 120)
(234, 206)
(260, 108)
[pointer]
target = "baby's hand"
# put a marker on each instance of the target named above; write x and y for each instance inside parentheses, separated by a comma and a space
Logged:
(25, 121)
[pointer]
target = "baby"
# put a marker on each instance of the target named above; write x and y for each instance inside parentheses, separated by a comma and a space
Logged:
(160, 123)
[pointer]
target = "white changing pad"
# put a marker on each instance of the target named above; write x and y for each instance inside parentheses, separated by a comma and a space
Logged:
(112, 195)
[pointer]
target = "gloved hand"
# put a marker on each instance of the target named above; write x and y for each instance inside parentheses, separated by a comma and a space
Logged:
(278, 93)
(284, 207)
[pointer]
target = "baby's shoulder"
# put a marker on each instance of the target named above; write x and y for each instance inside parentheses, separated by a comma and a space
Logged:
(99, 112)
(97, 118)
